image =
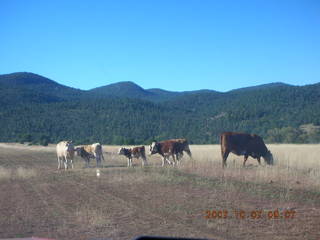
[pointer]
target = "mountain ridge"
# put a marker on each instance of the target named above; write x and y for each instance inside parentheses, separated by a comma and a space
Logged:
(48, 111)
(128, 89)
(39, 84)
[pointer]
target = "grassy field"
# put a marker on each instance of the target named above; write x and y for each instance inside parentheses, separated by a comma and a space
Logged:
(195, 199)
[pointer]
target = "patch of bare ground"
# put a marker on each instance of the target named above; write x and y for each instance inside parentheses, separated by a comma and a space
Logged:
(127, 202)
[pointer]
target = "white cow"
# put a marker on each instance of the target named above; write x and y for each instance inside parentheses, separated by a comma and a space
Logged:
(90, 151)
(65, 153)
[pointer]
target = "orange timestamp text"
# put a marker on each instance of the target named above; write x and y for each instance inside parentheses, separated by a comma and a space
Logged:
(254, 214)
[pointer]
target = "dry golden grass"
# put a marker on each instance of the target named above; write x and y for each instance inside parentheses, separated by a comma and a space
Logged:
(19, 173)
(295, 165)
(25, 173)
(91, 217)
(5, 173)
(171, 201)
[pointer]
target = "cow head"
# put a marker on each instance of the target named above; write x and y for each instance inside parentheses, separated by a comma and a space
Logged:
(121, 151)
(268, 157)
(69, 146)
(78, 150)
(153, 148)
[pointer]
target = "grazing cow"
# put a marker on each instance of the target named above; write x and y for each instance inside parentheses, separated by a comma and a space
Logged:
(90, 151)
(135, 152)
(172, 147)
(166, 149)
(65, 153)
(244, 144)
(183, 146)
(80, 150)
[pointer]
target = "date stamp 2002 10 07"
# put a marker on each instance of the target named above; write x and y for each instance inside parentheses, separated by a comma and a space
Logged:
(254, 214)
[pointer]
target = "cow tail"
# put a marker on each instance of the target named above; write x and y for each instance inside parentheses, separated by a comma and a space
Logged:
(187, 149)
(144, 152)
(101, 151)
(221, 144)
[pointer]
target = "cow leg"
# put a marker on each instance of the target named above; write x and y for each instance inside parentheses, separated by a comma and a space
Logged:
(87, 159)
(178, 157)
(98, 159)
(59, 164)
(129, 162)
(65, 161)
(224, 158)
(99, 162)
(174, 160)
(164, 159)
(245, 159)
(71, 160)
(144, 161)
(168, 161)
(258, 159)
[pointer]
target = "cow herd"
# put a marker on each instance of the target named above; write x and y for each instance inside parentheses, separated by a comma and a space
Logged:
(237, 143)
(66, 151)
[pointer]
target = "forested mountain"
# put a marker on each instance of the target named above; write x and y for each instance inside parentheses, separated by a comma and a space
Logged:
(37, 109)
(29, 87)
(122, 89)
(132, 90)
(261, 87)
(35, 84)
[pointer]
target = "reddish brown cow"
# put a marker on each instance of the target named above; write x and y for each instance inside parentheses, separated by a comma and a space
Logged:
(172, 147)
(135, 152)
(244, 144)
(183, 146)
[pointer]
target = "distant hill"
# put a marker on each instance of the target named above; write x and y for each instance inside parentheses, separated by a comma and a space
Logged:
(122, 89)
(48, 90)
(261, 87)
(37, 109)
(132, 90)
(30, 87)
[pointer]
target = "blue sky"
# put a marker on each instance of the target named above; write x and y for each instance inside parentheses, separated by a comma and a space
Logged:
(174, 45)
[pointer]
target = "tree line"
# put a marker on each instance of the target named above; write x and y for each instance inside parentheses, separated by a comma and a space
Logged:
(278, 114)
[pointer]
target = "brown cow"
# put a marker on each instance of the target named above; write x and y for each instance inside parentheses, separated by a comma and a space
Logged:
(87, 151)
(244, 144)
(135, 152)
(81, 151)
(183, 145)
(172, 147)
